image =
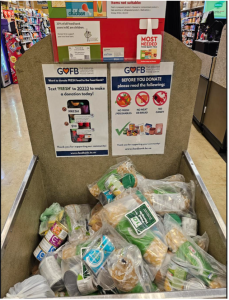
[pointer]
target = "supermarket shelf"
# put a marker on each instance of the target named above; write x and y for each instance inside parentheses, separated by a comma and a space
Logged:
(191, 23)
(193, 8)
(191, 17)
(26, 42)
(188, 30)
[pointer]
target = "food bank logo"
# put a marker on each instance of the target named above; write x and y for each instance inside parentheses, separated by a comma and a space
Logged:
(66, 71)
(128, 70)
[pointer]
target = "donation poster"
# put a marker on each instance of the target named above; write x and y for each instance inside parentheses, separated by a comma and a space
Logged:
(78, 108)
(140, 97)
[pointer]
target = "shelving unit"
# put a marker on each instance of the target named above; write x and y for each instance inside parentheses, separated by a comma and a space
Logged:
(195, 13)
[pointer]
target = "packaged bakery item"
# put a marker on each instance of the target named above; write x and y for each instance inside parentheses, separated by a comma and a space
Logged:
(189, 255)
(169, 197)
(118, 178)
(101, 246)
(135, 220)
(202, 241)
(126, 268)
(95, 221)
(77, 218)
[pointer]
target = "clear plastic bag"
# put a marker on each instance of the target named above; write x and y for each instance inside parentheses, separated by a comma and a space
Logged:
(77, 217)
(33, 287)
(170, 197)
(95, 221)
(118, 178)
(148, 234)
(50, 269)
(176, 177)
(161, 274)
(127, 270)
(52, 214)
(100, 247)
(189, 255)
(77, 279)
(202, 241)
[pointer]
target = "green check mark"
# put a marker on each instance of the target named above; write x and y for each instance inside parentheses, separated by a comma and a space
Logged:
(120, 131)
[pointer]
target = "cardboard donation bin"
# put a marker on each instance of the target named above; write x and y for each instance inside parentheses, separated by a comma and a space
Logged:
(64, 179)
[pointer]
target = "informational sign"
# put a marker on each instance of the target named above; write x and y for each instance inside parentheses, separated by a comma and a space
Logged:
(219, 8)
(78, 108)
(140, 97)
(136, 9)
(71, 34)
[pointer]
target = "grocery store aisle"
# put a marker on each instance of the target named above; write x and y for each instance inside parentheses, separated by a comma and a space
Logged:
(16, 148)
(17, 153)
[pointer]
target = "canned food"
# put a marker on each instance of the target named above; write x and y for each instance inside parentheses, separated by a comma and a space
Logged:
(87, 286)
(50, 269)
(125, 131)
(70, 281)
(105, 280)
(114, 185)
(189, 226)
(39, 253)
(131, 126)
(194, 284)
(53, 239)
(59, 230)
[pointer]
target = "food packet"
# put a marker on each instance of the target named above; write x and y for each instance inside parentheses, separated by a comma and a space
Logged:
(33, 287)
(127, 270)
(169, 197)
(52, 214)
(77, 217)
(189, 255)
(118, 178)
(100, 247)
(50, 269)
(95, 221)
(202, 241)
(77, 279)
(135, 220)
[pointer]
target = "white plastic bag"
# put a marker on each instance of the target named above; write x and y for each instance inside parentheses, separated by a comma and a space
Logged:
(33, 287)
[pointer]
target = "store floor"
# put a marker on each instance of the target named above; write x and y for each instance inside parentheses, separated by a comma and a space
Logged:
(17, 153)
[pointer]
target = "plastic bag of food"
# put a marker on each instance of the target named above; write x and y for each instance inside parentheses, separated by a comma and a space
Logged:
(176, 177)
(77, 217)
(118, 178)
(169, 197)
(202, 241)
(33, 287)
(77, 279)
(103, 243)
(50, 269)
(127, 270)
(136, 221)
(95, 221)
(198, 262)
(161, 274)
(52, 214)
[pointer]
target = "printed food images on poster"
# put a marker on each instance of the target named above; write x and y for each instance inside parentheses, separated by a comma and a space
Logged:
(80, 106)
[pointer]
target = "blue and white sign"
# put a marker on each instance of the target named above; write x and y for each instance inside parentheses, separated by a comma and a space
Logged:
(78, 108)
(140, 96)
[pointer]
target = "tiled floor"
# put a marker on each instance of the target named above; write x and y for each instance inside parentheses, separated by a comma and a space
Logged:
(17, 153)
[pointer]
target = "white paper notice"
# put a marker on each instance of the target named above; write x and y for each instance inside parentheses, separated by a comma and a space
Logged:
(136, 9)
(77, 32)
(78, 108)
(139, 106)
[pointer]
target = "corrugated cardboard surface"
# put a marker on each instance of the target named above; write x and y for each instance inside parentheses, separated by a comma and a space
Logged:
(206, 63)
(18, 256)
(219, 75)
(66, 179)
(206, 221)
